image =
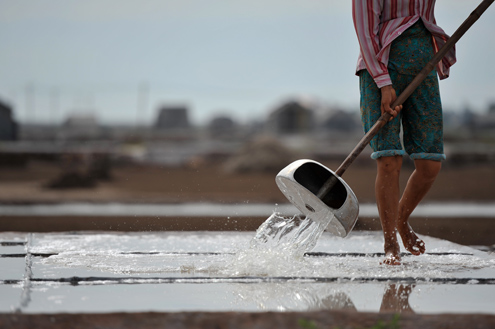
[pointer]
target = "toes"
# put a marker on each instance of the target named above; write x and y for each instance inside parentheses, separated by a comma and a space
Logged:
(391, 259)
(412, 243)
(422, 247)
(390, 262)
(415, 251)
(417, 248)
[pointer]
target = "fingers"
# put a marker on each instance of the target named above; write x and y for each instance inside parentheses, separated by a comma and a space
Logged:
(394, 112)
(386, 108)
(388, 97)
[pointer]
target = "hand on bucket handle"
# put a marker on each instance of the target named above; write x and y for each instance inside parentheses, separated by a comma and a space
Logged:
(388, 97)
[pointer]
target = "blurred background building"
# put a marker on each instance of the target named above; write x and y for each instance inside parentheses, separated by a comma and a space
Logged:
(8, 127)
(314, 130)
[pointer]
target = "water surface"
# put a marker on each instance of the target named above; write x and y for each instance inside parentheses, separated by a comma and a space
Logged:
(197, 271)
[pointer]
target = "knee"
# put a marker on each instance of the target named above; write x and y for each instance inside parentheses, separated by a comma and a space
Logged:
(389, 165)
(428, 169)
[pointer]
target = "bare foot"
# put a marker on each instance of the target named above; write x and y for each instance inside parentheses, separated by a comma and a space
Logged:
(411, 242)
(392, 253)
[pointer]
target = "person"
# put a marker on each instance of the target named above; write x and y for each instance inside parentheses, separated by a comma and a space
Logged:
(397, 38)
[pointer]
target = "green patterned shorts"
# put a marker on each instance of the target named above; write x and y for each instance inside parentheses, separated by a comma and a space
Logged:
(421, 115)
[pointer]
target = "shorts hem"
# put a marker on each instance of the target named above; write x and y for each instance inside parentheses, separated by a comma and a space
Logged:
(428, 156)
(387, 153)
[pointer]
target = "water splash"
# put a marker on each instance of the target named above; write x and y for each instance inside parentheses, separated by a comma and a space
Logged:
(278, 246)
(292, 236)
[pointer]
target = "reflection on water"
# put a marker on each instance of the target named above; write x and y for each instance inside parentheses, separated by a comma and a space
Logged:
(396, 298)
(289, 296)
(294, 296)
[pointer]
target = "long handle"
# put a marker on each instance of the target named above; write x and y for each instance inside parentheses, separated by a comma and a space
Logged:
(473, 17)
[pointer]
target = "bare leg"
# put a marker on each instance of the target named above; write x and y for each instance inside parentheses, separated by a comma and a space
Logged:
(417, 186)
(387, 199)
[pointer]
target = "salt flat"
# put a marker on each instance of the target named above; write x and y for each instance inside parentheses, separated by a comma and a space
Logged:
(199, 271)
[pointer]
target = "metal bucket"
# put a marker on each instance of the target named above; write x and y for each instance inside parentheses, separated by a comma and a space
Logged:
(300, 182)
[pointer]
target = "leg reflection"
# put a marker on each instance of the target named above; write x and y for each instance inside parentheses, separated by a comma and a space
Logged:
(338, 301)
(396, 299)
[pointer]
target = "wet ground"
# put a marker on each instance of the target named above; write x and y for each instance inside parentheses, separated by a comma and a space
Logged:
(202, 271)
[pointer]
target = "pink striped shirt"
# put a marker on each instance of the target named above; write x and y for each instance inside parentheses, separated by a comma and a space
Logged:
(379, 22)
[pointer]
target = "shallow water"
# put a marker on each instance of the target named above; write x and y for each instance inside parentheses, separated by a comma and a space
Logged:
(201, 271)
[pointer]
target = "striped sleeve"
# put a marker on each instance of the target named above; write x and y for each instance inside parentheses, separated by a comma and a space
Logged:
(366, 17)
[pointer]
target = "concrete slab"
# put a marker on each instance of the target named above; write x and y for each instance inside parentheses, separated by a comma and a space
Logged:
(12, 268)
(12, 247)
(12, 262)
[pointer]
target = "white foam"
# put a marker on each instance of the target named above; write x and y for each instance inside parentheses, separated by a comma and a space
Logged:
(90, 254)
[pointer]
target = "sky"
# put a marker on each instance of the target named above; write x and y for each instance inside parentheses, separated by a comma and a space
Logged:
(121, 60)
